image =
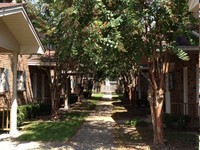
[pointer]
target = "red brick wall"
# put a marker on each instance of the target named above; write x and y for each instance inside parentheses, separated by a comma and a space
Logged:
(177, 92)
(5, 62)
(23, 97)
(27, 95)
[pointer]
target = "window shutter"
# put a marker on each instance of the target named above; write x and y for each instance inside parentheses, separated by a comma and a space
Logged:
(6, 87)
(1, 81)
(24, 76)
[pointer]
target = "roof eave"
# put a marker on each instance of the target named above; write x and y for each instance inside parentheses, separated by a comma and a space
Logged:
(193, 5)
(18, 8)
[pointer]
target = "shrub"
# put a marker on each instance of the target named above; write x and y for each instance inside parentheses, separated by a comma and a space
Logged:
(87, 94)
(27, 112)
(73, 98)
(169, 119)
(23, 109)
(45, 109)
(35, 110)
(176, 120)
(184, 120)
(20, 118)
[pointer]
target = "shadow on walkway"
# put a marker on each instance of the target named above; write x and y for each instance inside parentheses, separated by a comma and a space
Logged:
(97, 133)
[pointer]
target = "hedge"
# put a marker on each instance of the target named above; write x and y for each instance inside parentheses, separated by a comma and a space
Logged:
(29, 111)
(178, 120)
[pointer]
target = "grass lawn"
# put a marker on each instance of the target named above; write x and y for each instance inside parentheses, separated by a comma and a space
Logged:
(97, 95)
(100, 95)
(58, 130)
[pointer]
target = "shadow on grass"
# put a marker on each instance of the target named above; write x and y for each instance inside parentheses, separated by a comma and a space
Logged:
(181, 139)
(124, 111)
(59, 130)
(53, 130)
(173, 139)
(141, 136)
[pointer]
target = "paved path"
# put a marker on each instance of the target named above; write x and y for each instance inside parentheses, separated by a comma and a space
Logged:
(97, 133)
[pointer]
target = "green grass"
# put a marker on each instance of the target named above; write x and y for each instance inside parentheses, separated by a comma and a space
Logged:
(53, 130)
(97, 95)
(100, 95)
(59, 130)
(89, 104)
(116, 95)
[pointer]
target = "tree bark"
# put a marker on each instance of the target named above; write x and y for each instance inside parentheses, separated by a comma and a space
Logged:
(54, 102)
(156, 99)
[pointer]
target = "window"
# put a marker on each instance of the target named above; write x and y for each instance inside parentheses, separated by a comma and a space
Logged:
(3, 80)
(21, 81)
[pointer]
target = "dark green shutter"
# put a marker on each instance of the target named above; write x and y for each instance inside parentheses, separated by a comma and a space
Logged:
(24, 76)
(6, 88)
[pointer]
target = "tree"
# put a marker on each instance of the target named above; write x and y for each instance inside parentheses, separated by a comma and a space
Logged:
(117, 34)
(150, 31)
(61, 25)
(156, 26)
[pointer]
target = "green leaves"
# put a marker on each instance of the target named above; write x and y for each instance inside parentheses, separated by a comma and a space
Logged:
(180, 53)
(101, 33)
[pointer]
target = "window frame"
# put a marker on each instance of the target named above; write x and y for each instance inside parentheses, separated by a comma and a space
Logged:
(20, 81)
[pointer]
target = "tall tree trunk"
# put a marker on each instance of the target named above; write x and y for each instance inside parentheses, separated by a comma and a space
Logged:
(53, 111)
(54, 102)
(132, 88)
(156, 99)
(67, 94)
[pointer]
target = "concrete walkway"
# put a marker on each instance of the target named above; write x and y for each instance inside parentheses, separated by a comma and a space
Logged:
(97, 133)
